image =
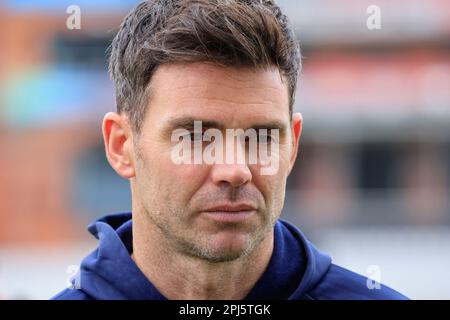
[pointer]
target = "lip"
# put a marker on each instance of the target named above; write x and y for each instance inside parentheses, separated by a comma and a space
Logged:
(230, 213)
(230, 216)
(236, 208)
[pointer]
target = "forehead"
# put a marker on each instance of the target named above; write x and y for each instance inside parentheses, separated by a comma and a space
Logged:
(205, 91)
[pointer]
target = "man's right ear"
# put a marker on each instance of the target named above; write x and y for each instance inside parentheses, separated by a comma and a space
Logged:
(118, 139)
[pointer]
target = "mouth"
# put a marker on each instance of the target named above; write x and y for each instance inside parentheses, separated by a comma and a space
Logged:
(230, 213)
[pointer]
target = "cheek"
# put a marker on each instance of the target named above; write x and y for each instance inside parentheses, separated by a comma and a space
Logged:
(160, 177)
(279, 162)
(154, 168)
(271, 186)
(285, 157)
(184, 179)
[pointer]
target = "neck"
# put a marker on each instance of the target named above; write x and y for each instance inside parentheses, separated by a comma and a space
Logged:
(178, 276)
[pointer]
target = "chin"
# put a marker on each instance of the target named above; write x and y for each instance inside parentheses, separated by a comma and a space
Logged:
(229, 246)
(220, 255)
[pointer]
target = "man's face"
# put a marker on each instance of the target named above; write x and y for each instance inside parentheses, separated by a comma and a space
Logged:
(186, 201)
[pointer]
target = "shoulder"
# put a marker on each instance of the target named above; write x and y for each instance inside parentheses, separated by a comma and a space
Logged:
(342, 284)
(71, 294)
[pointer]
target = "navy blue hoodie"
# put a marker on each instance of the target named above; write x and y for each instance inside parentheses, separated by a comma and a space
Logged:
(297, 270)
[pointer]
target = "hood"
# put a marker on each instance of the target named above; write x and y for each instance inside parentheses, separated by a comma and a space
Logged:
(108, 272)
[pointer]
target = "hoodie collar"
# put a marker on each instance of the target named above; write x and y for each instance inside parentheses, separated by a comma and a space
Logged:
(110, 273)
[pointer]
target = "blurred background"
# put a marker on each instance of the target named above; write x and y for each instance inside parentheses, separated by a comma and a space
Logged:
(371, 186)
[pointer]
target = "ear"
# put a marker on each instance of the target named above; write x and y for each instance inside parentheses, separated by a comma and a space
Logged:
(118, 139)
(297, 124)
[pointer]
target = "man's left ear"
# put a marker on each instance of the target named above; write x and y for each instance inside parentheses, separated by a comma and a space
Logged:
(297, 124)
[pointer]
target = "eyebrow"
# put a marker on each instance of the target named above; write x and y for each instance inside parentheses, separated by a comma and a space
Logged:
(188, 123)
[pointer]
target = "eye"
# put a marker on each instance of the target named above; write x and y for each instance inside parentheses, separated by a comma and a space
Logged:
(264, 138)
(196, 136)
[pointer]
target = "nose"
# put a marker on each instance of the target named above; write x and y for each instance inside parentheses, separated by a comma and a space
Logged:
(234, 174)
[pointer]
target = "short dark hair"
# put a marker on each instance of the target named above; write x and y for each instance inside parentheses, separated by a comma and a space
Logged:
(234, 33)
